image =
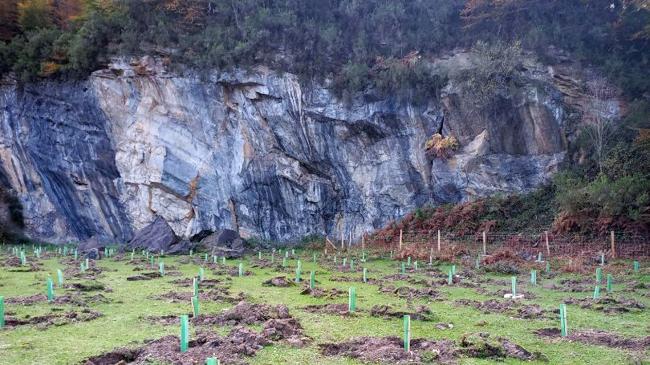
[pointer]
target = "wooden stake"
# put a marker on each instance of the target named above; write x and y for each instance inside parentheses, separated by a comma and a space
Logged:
(548, 248)
(400, 240)
(613, 245)
(438, 240)
(363, 242)
(484, 243)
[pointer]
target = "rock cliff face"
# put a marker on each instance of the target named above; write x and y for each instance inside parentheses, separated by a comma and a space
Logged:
(257, 152)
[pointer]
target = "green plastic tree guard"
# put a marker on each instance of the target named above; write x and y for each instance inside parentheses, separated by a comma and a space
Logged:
(636, 266)
(50, 290)
(597, 292)
(195, 306)
(548, 267)
(514, 286)
(223, 260)
(298, 269)
(284, 262)
(533, 277)
(351, 264)
(241, 269)
(408, 261)
(563, 325)
(161, 268)
(312, 280)
(195, 287)
(599, 275)
(211, 361)
(185, 335)
(59, 276)
(201, 274)
(2, 312)
(365, 275)
(453, 269)
(352, 299)
(415, 265)
(609, 283)
(407, 332)
(450, 278)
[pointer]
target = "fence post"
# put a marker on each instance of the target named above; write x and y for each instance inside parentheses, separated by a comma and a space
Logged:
(438, 240)
(548, 248)
(484, 243)
(400, 240)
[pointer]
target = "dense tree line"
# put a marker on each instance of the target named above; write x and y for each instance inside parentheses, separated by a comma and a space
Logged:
(354, 42)
(378, 44)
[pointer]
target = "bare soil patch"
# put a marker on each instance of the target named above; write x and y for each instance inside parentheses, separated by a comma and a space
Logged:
(598, 337)
(53, 319)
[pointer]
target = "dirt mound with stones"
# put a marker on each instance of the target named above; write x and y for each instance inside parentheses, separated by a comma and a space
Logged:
(277, 325)
(53, 319)
(597, 337)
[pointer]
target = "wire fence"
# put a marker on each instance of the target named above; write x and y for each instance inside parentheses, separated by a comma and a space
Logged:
(616, 245)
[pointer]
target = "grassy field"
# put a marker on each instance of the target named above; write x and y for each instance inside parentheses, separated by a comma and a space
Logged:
(125, 305)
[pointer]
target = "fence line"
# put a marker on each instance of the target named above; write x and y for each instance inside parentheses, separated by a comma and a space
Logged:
(616, 245)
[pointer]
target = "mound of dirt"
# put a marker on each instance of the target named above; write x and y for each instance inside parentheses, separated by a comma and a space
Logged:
(248, 313)
(339, 309)
(278, 325)
(324, 293)
(232, 349)
(54, 319)
(412, 293)
(598, 337)
(484, 346)
(288, 329)
(421, 313)
(390, 350)
(514, 309)
(609, 305)
(217, 294)
(279, 281)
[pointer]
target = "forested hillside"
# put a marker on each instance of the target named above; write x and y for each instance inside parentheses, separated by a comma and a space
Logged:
(382, 45)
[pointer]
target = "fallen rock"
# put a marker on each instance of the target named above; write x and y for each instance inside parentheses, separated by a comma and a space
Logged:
(225, 242)
(158, 236)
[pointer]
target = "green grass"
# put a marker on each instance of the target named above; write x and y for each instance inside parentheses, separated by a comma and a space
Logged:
(122, 322)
